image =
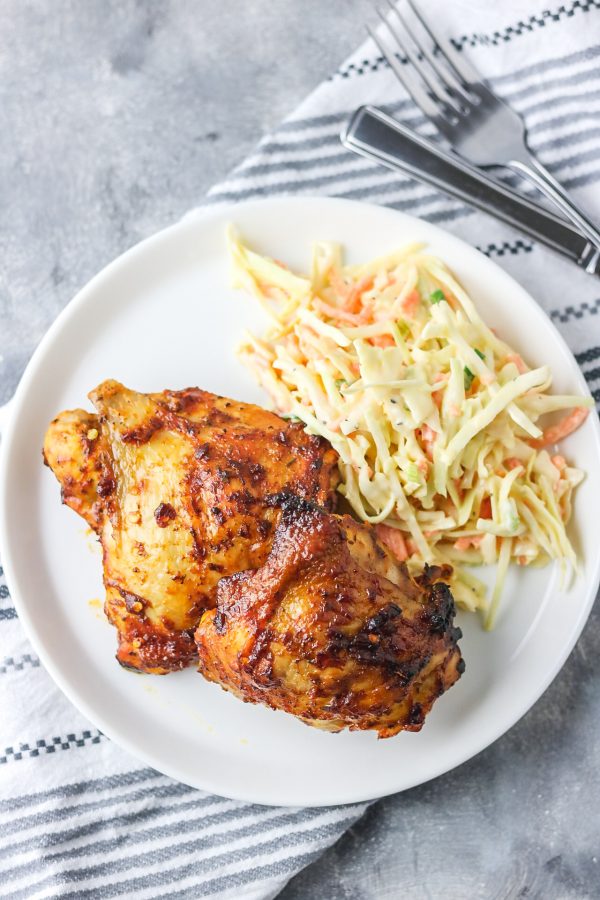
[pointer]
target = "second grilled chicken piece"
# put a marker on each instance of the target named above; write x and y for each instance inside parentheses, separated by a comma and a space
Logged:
(174, 485)
(332, 629)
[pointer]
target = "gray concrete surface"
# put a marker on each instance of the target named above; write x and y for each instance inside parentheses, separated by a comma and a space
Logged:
(115, 118)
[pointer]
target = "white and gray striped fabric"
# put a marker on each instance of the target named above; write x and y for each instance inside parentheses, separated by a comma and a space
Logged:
(78, 816)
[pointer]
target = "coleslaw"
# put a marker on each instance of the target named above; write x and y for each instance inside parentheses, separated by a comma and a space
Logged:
(434, 417)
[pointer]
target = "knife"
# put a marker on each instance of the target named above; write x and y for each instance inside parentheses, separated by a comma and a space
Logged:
(375, 135)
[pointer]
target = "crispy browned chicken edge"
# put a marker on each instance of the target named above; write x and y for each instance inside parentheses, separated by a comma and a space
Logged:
(435, 618)
(78, 451)
(430, 579)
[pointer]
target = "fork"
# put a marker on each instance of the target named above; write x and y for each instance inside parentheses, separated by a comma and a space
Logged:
(479, 126)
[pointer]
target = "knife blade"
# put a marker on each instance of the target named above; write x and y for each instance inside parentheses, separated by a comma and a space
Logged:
(375, 135)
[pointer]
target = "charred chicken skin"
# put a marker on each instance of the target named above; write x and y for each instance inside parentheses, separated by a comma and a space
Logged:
(332, 629)
(220, 546)
(174, 484)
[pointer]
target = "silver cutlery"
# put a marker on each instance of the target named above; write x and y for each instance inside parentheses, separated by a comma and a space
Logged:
(479, 126)
(373, 134)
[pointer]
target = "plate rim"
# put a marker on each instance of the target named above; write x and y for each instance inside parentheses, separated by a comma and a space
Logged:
(34, 634)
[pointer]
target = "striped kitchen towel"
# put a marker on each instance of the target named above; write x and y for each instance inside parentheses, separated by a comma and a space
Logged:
(78, 816)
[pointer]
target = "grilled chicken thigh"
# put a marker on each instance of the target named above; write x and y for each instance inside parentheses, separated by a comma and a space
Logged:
(174, 484)
(332, 629)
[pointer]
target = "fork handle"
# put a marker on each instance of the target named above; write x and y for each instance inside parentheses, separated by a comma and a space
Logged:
(535, 172)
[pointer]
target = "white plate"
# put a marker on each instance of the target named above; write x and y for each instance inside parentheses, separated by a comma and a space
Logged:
(163, 316)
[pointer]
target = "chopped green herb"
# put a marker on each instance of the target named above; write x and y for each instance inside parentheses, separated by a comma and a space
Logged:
(437, 296)
(468, 378)
(479, 353)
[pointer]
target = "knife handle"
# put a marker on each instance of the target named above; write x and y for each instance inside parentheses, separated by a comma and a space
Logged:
(375, 135)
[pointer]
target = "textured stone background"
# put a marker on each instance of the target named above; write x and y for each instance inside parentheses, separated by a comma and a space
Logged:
(115, 117)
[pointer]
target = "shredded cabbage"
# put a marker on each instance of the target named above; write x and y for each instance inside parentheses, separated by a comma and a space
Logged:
(434, 417)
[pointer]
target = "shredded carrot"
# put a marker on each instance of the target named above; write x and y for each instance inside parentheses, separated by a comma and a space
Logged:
(274, 293)
(512, 462)
(451, 300)
(428, 436)
(485, 510)
(518, 361)
(438, 396)
(459, 491)
(393, 539)
(566, 426)
(559, 461)
(411, 302)
(464, 543)
(334, 313)
(423, 466)
(382, 340)
(356, 292)
(350, 294)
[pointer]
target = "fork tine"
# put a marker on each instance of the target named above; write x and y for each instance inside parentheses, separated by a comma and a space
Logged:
(445, 73)
(454, 60)
(436, 87)
(416, 91)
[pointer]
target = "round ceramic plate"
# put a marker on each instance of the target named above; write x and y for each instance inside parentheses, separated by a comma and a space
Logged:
(164, 316)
